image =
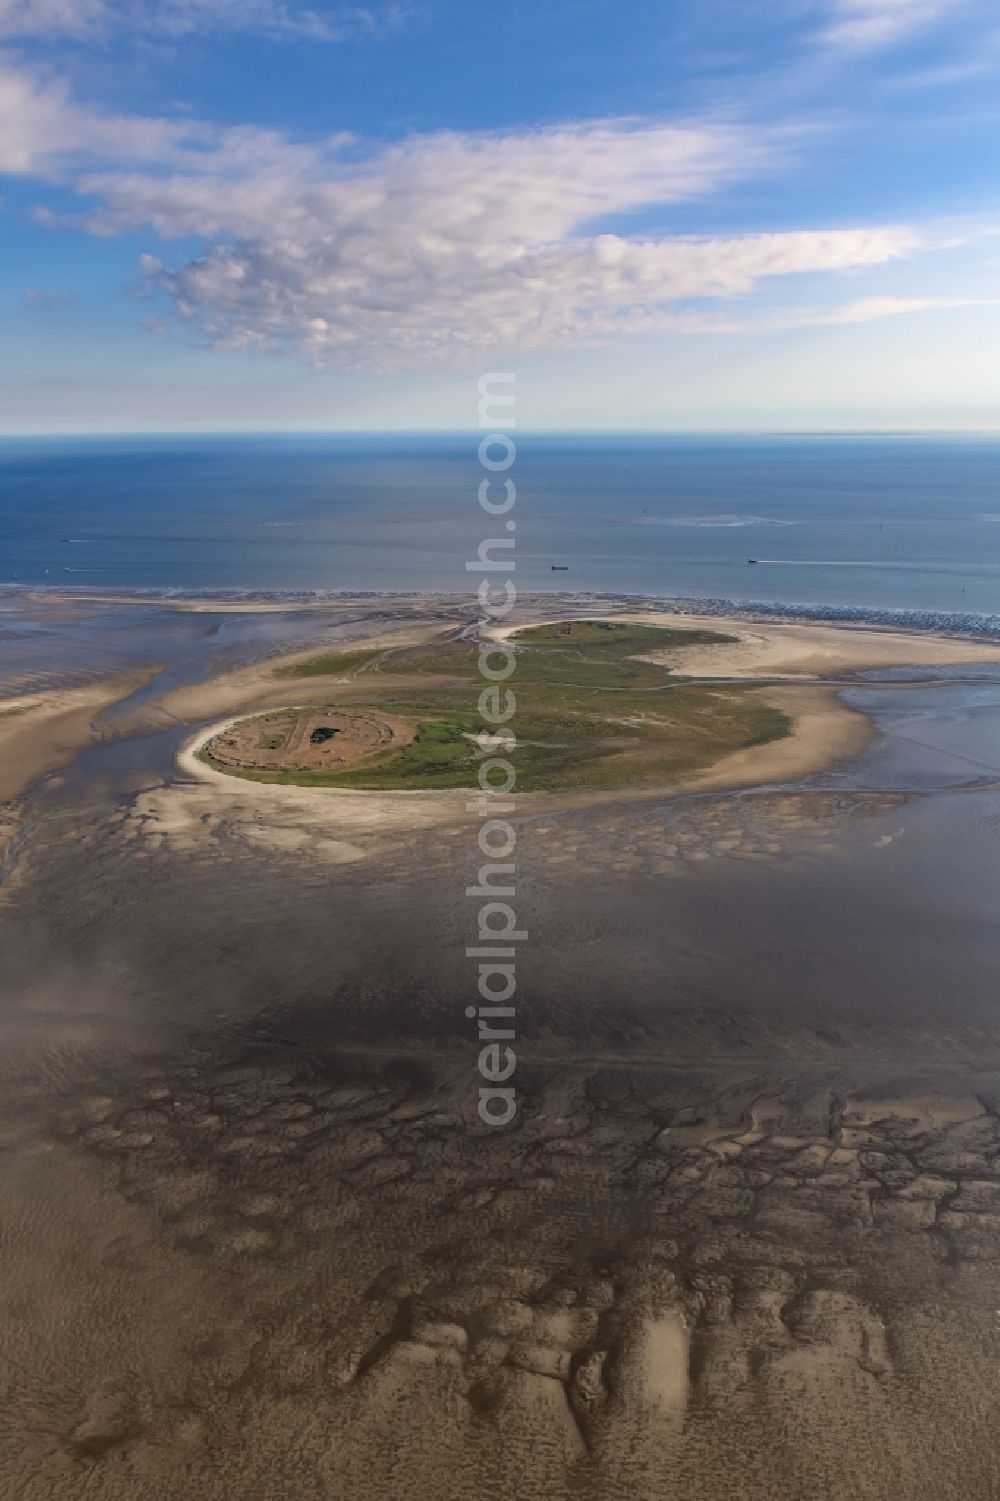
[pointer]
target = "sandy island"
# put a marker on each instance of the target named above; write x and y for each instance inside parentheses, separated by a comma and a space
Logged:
(799, 666)
(797, 660)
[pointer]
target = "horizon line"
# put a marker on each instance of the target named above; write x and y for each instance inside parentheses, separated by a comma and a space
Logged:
(464, 432)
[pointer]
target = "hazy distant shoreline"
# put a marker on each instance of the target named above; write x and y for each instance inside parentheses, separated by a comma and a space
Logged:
(970, 623)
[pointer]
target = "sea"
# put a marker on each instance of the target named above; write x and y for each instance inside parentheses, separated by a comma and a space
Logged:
(888, 527)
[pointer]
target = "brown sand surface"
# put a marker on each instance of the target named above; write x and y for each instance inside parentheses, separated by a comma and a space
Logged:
(261, 685)
(824, 733)
(40, 731)
(206, 604)
(794, 649)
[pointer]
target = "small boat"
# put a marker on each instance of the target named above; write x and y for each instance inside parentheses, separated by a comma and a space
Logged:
(560, 567)
(752, 560)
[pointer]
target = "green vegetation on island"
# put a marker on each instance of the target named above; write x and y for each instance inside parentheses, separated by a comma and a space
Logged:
(18, 709)
(330, 663)
(591, 711)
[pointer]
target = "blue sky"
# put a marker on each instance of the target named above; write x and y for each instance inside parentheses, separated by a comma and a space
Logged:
(227, 214)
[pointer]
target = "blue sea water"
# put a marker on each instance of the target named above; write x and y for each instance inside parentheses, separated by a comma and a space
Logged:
(869, 523)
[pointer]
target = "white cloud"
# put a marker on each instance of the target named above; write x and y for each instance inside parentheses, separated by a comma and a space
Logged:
(488, 190)
(425, 249)
(870, 309)
(355, 299)
(44, 132)
(87, 20)
(863, 24)
(453, 242)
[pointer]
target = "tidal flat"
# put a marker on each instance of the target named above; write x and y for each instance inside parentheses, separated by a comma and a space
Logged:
(742, 1239)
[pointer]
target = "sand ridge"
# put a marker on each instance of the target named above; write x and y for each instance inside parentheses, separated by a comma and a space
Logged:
(790, 649)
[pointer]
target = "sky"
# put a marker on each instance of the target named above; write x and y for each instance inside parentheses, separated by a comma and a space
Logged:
(659, 214)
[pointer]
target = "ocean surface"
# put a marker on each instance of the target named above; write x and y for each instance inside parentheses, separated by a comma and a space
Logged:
(883, 524)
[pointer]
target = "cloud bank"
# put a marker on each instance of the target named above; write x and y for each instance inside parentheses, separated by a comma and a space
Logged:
(414, 252)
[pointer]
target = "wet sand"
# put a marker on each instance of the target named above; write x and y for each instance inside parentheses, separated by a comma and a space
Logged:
(825, 733)
(259, 686)
(740, 1242)
(40, 731)
(795, 650)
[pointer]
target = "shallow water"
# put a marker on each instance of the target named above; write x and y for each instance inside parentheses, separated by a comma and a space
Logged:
(86, 639)
(937, 730)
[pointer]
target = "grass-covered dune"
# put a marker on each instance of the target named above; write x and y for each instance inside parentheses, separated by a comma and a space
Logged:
(591, 712)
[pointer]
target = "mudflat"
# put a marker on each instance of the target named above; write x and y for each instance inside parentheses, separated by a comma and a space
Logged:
(739, 1241)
